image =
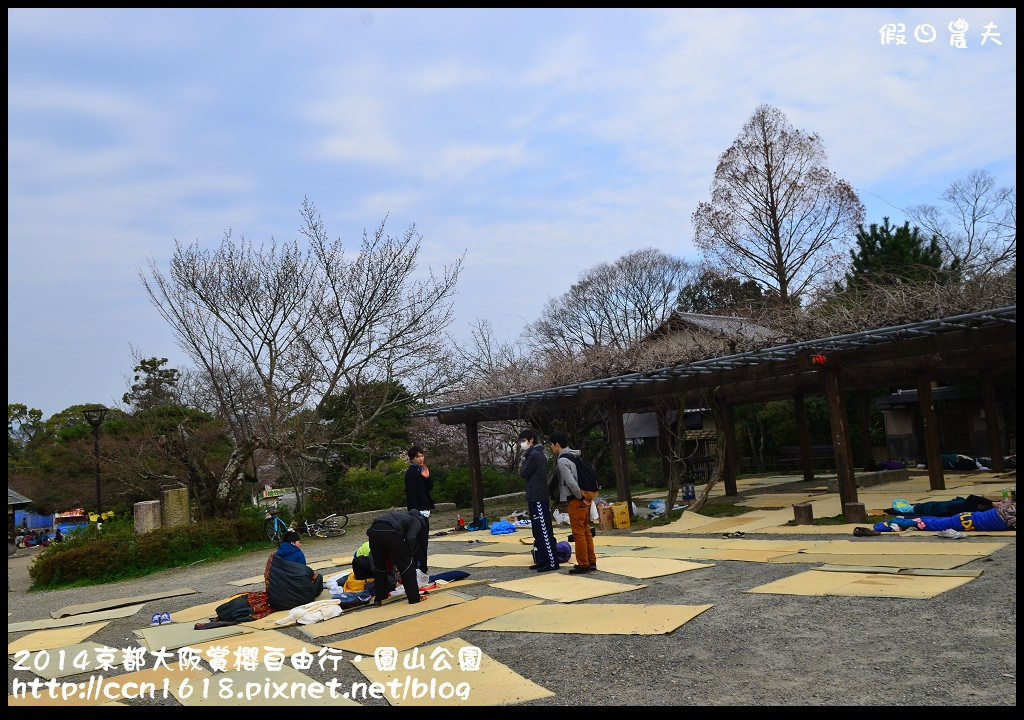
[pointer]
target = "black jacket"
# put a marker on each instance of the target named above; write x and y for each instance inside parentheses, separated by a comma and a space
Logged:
(291, 584)
(417, 490)
(535, 472)
(414, 530)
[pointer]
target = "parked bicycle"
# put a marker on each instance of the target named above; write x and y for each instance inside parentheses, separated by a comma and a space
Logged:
(331, 526)
(274, 526)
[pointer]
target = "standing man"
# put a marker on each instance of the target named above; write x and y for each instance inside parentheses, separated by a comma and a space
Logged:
(418, 483)
(579, 502)
(398, 541)
(535, 472)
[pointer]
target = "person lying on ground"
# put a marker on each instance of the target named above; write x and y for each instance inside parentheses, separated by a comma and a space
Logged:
(940, 508)
(1001, 517)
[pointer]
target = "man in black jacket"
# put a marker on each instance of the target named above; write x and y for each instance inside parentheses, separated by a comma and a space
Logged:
(535, 472)
(418, 483)
(398, 540)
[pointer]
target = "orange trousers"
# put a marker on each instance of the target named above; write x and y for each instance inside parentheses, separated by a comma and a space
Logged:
(579, 523)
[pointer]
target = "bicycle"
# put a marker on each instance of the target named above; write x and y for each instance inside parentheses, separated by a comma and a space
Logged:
(331, 526)
(274, 526)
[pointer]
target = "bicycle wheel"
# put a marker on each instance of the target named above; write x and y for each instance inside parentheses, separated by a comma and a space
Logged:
(273, 528)
(333, 531)
(339, 521)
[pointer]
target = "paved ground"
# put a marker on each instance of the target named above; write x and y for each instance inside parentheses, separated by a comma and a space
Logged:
(957, 649)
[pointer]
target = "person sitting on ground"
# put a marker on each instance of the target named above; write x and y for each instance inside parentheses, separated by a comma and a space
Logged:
(291, 547)
(58, 536)
(1001, 517)
(398, 540)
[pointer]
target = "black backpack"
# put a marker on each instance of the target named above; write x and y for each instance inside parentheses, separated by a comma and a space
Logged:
(586, 476)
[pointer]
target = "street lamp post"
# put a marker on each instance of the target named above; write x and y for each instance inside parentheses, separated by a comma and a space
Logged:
(94, 416)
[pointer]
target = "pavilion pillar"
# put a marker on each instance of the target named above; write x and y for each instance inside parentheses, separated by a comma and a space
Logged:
(729, 456)
(864, 426)
(932, 438)
(476, 482)
(803, 436)
(995, 437)
(840, 439)
(620, 458)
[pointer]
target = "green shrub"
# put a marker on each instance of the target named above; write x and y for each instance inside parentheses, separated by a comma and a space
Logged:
(454, 485)
(375, 489)
(117, 552)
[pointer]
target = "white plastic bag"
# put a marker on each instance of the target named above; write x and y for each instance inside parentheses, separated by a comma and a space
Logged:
(595, 516)
(560, 517)
(422, 578)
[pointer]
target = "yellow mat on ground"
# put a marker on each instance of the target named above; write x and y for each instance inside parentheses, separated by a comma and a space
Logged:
(269, 622)
(66, 661)
(601, 619)
(565, 588)
(933, 562)
(198, 613)
(367, 615)
(121, 602)
(900, 571)
(451, 560)
(513, 560)
(898, 546)
(259, 639)
(492, 684)
(254, 580)
(284, 687)
(503, 548)
(646, 567)
(83, 619)
(423, 629)
(743, 555)
(340, 561)
(813, 582)
(55, 637)
(178, 635)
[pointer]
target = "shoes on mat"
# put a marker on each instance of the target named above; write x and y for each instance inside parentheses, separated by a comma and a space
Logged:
(155, 620)
(580, 569)
(547, 568)
(165, 618)
(865, 532)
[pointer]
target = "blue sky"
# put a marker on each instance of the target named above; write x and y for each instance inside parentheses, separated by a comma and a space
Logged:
(540, 142)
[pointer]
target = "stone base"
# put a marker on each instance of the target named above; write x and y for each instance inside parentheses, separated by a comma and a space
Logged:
(867, 479)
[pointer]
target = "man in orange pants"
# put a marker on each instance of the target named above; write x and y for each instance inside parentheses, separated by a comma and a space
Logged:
(578, 499)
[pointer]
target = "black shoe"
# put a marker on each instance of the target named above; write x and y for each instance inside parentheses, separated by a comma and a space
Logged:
(571, 539)
(536, 567)
(580, 569)
(547, 568)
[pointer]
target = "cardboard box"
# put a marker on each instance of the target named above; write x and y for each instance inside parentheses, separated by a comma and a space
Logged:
(620, 515)
(606, 513)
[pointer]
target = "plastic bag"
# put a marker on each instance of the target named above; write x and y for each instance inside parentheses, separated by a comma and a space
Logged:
(560, 517)
(595, 516)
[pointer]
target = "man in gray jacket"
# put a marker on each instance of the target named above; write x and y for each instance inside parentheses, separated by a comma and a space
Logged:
(535, 472)
(578, 501)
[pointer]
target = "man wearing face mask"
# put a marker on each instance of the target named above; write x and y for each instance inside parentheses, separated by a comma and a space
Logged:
(535, 472)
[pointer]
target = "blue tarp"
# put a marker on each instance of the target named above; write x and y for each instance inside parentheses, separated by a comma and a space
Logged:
(34, 521)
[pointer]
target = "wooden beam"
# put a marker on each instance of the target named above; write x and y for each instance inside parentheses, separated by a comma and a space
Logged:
(932, 438)
(620, 458)
(803, 436)
(840, 438)
(476, 481)
(995, 437)
(665, 445)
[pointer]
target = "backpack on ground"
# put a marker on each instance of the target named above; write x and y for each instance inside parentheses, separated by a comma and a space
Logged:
(586, 476)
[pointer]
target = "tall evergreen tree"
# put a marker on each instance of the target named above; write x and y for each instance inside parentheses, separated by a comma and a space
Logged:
(887, 254)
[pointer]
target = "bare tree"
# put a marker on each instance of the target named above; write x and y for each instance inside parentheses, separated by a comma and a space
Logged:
(777, 214)
(276, 330)
(976, 224)
(610, 309)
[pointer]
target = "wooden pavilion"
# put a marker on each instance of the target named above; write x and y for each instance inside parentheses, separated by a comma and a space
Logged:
(979, 345)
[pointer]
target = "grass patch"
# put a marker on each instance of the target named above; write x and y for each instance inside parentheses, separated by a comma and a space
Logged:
(840, 519)
(724, 508)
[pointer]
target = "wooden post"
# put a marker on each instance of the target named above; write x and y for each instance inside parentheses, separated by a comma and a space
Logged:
(855, 512)
(995, 438)
(729, 460)
(840, 438)
(620, 460)
(803, 513)
(800, 405)
(864, 423)
(932, 438)
(476, 482)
